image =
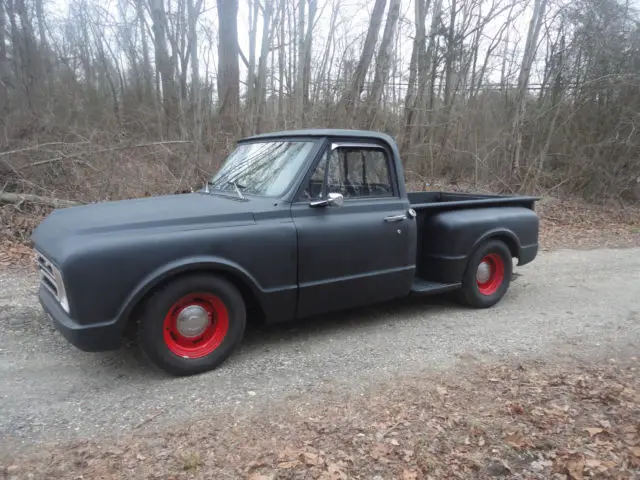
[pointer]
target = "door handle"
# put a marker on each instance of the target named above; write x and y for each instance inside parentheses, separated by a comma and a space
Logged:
(395, 218)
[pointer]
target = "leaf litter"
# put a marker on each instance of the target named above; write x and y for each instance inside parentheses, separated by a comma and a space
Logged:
(574, 420)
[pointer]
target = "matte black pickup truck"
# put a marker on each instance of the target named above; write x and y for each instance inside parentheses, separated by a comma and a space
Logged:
(294, 224)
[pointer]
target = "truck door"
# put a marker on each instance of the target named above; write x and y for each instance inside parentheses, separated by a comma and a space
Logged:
(362, 251)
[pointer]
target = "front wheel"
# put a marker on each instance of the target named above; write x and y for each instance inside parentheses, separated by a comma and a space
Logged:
(192, 324)
(487, 276)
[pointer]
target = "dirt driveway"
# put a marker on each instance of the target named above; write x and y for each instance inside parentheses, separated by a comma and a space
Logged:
(567, 302)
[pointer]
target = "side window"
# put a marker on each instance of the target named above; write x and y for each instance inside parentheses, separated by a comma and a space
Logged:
(355, 172)
(314, 190)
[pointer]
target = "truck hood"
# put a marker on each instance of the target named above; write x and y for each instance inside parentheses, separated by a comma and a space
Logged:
(169, 212)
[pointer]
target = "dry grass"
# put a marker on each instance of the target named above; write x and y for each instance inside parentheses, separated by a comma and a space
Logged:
(515, 420)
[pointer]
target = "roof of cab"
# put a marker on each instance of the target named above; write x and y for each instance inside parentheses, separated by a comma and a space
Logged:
(323, 132)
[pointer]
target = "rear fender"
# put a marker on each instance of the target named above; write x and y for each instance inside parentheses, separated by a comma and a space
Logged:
(504, 234)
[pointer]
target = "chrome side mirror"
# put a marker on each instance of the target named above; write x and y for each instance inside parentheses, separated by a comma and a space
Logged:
(332, 200)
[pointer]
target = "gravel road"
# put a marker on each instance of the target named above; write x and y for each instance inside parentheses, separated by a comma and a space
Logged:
(566, 302)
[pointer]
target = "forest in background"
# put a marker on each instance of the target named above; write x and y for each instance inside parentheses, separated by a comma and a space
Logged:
(127, 98)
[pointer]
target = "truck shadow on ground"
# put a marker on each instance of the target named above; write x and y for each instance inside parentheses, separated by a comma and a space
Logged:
(260, 337)
(351, 319)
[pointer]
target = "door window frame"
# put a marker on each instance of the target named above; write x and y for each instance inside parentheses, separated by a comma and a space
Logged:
(336, 144)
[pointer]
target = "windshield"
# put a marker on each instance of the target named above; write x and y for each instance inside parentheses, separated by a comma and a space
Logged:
(262, 168)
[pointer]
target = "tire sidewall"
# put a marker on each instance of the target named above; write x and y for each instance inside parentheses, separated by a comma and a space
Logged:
(152, 324)
(470, 286)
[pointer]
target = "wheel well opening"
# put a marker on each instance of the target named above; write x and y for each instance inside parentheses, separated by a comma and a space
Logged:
(255, 314)
(510, 243)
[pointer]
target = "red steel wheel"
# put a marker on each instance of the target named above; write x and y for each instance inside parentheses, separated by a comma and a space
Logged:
(487, 275)
(196, 325)
(490, 274)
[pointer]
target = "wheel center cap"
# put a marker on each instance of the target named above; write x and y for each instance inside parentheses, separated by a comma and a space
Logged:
(192, 321)
(484, 272)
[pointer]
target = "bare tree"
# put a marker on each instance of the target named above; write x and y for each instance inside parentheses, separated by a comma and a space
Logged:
(557, 110)
(261, 84)
(228, 69)
(352, 94)
(382, 61)
(164, 65)
(523, 82)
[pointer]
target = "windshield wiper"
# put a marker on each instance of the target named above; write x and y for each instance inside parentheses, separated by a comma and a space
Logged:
(237, 187)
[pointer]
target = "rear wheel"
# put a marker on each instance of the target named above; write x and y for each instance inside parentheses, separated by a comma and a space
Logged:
(487, 276)
(192, 324)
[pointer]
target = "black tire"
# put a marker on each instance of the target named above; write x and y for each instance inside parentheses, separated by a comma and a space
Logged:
(157, 336)
(476, 295)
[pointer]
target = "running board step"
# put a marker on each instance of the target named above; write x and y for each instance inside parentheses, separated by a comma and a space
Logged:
(425, 287)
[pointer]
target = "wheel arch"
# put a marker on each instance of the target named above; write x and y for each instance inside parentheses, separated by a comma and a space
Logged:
(236, 275)
(502, 234)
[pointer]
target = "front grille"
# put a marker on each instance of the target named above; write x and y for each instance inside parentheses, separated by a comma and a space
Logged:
(49, 275)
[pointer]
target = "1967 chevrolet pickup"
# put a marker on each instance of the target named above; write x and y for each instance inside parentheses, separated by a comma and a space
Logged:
(293, 224)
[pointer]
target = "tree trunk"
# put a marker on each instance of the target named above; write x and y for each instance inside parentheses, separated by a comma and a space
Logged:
(228, 68)
(4, 71)
(419, 45)
(301, 63)
(352, 93)
(427, 71)
(523, 83)
(452, 51)
(251, 69)
(194, 12)
(265, 43)
(382, 61)
(306, 74)
(146, 64)
(164, 65)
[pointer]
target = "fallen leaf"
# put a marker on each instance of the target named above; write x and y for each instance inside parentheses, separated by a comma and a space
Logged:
(441, 390)
(575, 466)
(481, 442)
(334, 472)
(540, 465)
(592, 463)
(408, 454)
(498, 467)
(409, 475)
(635, 451)
(605, 423)
(516, 440)
(261, 476)
(394, 442)
(379, 451)
(310, 459)
(594, 430)
(287, 465)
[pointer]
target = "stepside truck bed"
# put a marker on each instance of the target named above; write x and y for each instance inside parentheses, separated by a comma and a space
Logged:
(451, 225)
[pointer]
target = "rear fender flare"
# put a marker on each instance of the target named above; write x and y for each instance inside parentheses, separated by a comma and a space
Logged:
(178, 267)
(512, 240)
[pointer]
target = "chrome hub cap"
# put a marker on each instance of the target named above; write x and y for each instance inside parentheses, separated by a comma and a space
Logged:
(192, 321)
(484, 272)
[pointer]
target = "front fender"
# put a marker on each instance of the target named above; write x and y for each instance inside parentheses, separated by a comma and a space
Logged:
(183, 265)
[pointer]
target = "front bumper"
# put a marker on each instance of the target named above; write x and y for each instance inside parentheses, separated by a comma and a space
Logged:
(96, 337)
